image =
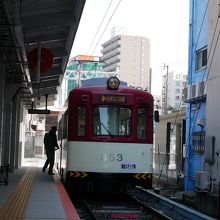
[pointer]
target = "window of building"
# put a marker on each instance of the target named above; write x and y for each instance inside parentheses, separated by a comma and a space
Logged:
(177, 76)
(177, 90)
(198, 142)
(201, 59)
(177, 83)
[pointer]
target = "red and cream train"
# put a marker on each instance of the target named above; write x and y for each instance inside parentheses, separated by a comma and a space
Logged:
(106, 137)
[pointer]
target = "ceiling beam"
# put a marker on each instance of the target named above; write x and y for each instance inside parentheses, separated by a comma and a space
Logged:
(42, 6)
(31, 40)
(49, 19)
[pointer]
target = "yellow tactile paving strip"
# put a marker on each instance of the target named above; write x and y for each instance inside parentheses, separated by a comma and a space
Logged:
(14, 207)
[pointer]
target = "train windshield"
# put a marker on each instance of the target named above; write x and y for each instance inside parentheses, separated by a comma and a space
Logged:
(112, 121)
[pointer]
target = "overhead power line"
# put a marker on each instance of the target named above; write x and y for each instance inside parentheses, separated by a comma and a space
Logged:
(107, 25)
(99, 27)
(192, 58)
(190, 68)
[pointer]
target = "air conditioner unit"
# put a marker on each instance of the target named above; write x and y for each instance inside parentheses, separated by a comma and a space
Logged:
(202, 180)
(186, 93)
(202, 88)
(194, 91)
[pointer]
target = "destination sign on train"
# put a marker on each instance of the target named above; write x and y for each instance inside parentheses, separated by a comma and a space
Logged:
(112, 99)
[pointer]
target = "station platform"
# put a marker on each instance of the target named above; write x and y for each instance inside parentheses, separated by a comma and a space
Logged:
(31, 194)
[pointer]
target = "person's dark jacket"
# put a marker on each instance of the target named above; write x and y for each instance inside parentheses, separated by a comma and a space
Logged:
(50, 140)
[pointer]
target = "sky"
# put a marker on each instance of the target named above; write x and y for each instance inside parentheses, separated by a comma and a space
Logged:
(164, 22)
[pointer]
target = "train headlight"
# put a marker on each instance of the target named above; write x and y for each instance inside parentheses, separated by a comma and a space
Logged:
(113, 83)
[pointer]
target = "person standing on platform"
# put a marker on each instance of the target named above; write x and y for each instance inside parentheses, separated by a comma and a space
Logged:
(50, 144)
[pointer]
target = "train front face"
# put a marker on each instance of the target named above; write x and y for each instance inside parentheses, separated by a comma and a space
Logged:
(110, 137)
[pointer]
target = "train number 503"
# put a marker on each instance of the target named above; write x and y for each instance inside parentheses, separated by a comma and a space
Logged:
(111, 157)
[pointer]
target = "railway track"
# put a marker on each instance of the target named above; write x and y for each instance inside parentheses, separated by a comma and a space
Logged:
(115, 206)
(169, 208)
(139, 204)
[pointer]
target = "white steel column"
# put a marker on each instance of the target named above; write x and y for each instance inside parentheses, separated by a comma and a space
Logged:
(7, 133)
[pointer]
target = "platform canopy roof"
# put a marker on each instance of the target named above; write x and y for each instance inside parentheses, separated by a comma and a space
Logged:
(32, 33)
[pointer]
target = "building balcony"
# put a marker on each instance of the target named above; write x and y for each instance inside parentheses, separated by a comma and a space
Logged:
(110, 68)
(111, 41)
(110, 47)
(112, 53)
(111, 61)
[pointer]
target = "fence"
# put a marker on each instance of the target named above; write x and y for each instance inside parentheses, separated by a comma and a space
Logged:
(164, 164)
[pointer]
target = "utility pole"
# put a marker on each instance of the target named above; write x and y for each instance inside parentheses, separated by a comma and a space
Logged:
(79, 73)
(166, 88)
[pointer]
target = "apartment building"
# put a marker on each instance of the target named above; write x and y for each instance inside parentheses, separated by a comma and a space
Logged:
(195, 96)
(172, 92)
(129, 57)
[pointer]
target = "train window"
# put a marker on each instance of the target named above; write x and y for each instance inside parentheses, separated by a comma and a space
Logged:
(81, 121)
(65, 124)
(141, 124)
(60, 128)
(112, 121)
